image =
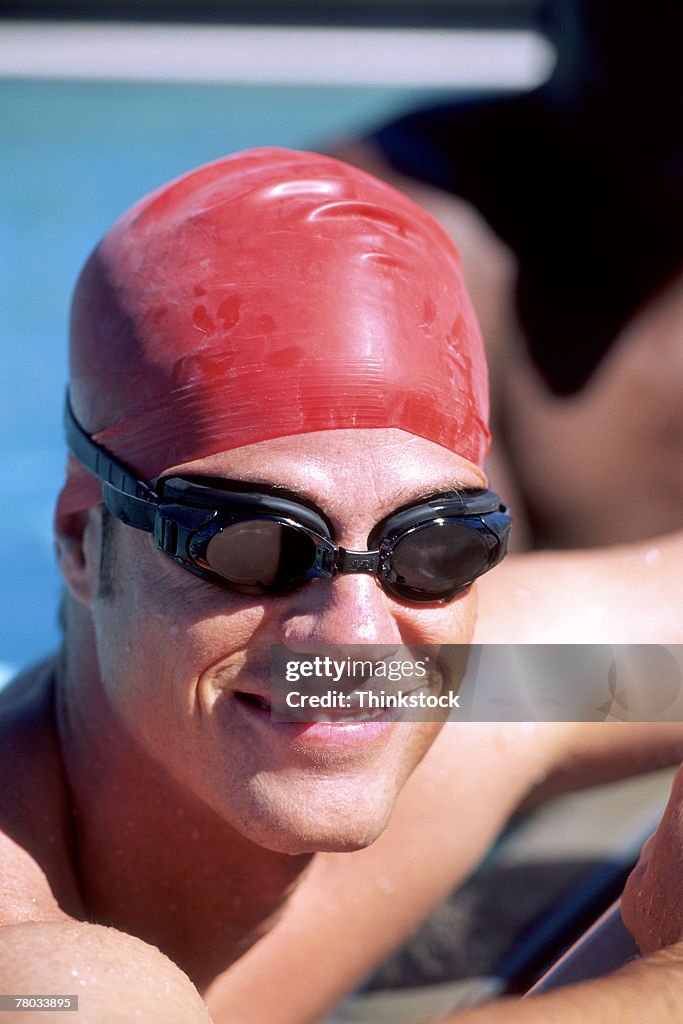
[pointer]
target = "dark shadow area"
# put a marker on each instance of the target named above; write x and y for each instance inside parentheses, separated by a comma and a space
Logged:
(509, 922)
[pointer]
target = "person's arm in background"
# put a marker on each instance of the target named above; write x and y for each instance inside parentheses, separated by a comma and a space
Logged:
(652, 903)
(627, 594)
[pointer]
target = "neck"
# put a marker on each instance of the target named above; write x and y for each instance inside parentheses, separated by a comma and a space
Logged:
(150, 858)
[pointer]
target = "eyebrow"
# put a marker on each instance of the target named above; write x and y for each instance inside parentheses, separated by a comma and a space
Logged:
(457, 488)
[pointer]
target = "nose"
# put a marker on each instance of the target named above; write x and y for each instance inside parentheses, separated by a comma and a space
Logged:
(349, 609)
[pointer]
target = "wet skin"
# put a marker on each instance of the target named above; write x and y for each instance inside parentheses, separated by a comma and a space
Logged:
(173, 651)
(152, 803)
(155, 805)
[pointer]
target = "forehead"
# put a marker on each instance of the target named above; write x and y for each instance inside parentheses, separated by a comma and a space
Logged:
(370, 467)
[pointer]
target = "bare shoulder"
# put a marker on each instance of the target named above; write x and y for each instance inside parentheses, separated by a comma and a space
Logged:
(44, 942)
(35, 816)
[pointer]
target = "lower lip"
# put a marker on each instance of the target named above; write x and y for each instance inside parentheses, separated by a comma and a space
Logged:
(319, 734)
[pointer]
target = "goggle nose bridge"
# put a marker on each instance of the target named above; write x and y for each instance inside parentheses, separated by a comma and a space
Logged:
(357, 561)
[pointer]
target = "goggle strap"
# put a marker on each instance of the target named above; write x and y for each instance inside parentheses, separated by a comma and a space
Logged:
(99, 462)
(129, 509)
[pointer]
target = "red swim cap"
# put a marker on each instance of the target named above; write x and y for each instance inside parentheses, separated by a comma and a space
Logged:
(268, 294)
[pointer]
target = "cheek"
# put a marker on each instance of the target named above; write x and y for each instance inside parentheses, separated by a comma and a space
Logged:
(160, 629)
(416, 739)
(452, 623)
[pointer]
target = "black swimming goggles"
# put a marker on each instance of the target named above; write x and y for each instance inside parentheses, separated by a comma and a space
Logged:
(254, 539)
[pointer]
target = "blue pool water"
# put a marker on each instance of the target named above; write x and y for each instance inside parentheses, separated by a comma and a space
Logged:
(75, 155)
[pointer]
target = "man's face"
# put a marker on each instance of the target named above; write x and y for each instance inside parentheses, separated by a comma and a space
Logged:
(175, 652)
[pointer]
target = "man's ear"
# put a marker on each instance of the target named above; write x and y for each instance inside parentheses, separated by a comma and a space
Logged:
(77, 540)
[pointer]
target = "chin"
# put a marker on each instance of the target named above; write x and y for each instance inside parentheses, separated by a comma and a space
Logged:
(356, 836)
(297, 841)
(317, 819)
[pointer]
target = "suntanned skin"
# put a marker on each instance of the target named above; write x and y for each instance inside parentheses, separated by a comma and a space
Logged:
(134, 795)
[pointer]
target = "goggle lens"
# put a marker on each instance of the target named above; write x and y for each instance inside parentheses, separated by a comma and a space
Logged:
(261, 553)
(437, 560)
